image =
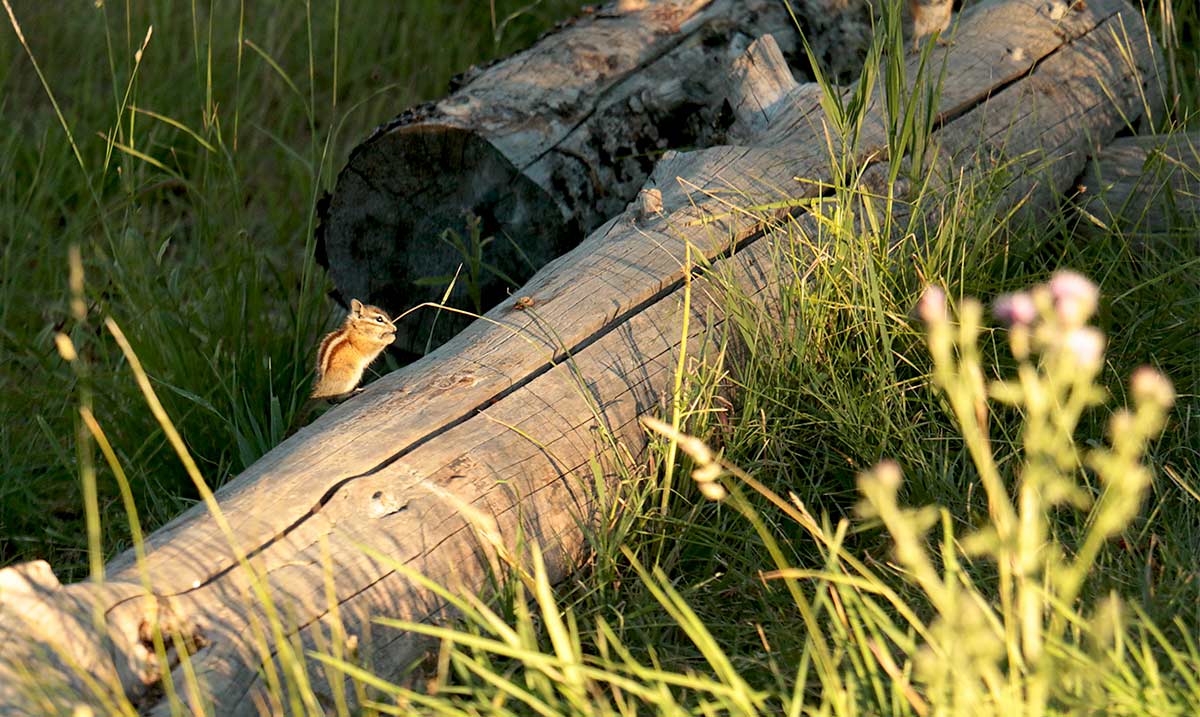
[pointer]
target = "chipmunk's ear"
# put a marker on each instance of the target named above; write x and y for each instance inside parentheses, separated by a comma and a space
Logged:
(356, 307)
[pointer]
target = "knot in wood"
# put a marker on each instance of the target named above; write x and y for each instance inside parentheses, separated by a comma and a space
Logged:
(457, 380)
(1056, 9)
(384, 503)
(650, 204)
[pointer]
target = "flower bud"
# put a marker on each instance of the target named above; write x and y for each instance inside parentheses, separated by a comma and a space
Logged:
(1075, 297)
(1085, 345)
(712, 490)
(1121, 423)
(1148, 385)
(932, 305)
(887, 472)
(1015, 309)
(66, 347)
(707, 473)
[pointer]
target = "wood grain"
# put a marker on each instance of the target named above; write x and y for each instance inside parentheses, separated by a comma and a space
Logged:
(589, 291)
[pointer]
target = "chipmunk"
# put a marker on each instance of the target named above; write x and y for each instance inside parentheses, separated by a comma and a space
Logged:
(344, 354)
(924, 18)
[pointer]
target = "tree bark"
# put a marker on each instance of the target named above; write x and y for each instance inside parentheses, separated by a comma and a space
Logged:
(441, 465)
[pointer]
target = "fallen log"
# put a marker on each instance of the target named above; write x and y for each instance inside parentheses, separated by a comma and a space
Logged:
(496, 432)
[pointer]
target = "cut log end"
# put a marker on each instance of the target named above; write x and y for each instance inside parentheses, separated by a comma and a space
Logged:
(420, 200)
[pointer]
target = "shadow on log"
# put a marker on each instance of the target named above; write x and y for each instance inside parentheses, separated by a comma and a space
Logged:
(498, 430)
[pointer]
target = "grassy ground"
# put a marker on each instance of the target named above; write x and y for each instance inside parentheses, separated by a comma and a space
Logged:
(189, 178)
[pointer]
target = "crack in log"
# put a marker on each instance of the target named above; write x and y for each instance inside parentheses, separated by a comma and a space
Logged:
(367, 180)
(564, 355)
(514, 504)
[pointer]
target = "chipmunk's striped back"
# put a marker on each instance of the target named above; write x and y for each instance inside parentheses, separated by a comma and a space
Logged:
(329, 345)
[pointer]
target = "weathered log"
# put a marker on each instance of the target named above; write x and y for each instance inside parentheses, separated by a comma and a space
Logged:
(540, 148)
(1143, 186)
(501, 423)
(47, 631)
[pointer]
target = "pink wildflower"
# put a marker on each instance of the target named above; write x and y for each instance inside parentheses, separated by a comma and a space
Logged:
(932, 305)
(1086, 345)
(1015, 309)
(1075, 297)
(1147, 384)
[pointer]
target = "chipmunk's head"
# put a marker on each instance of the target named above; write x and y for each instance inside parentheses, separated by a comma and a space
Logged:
(372, 322)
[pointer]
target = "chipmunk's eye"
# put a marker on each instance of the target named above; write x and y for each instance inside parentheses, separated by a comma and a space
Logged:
(379, 319)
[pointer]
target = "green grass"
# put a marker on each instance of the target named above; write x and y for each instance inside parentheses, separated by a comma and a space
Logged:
(191, 240)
